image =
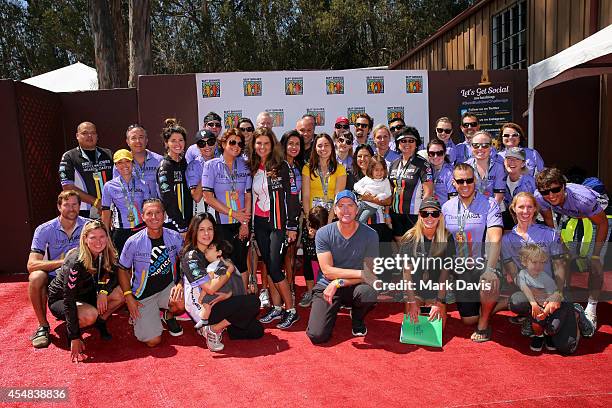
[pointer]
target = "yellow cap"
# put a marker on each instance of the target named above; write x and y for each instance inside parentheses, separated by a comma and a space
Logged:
(122, 154)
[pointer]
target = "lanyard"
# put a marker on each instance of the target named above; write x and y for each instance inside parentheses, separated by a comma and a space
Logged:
(128, 196)
(482, 182)
(233, 175)
(140, 170)
(324, 181)
(86, 157)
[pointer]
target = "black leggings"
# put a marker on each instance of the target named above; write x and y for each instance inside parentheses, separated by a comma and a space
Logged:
(561, 325)
(269, 242)
(229, 233)
(241, 312)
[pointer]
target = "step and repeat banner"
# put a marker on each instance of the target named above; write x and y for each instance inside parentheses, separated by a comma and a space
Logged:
(287, 95)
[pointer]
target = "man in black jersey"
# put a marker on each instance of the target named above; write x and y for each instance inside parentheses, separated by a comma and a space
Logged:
(86, 168)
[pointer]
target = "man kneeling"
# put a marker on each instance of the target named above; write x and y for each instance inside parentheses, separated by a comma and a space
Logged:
(342, 248)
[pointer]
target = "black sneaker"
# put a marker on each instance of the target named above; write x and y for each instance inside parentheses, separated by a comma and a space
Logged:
(101, 326)
(288, 319)
(40, 338)
(550, 346)
(273, 314)
(359, 329)
(517, 319)
(584, 324)
(526, 328)
(174, 328)
(537, 342)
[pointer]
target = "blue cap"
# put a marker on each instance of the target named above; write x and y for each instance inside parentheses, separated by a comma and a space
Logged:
(345, 194)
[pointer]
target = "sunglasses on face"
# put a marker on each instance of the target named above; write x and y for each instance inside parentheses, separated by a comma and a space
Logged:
(345, 141)
(395, 128)
(439, 153)
(511, 135)
(361, 125)
(442, 130)
(425, 214)
(234, 142)
(464, 181)
(206, 142)
(481, 145)
(469, 124)
(341, 126)
(213, 124)
(247, 129)
(408, 140)
(553, 190)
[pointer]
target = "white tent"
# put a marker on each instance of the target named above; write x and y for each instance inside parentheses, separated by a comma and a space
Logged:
(591, 56)
(75, 77)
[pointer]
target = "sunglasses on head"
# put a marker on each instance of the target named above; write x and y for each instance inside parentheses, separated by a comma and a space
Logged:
(511, 135)
(442, 130)
(408, 140)
(213, 124)
(341, 126)
(396, 127)
(234, 142)
(481, 145)
(345, 141)
(96, 223)
(425, 214)
(206, 142)
(553, 190)
(469, 124)
(465, 181)
(439, 153)
(362, 125)
(247, 129)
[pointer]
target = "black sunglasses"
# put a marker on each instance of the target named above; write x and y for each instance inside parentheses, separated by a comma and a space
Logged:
(341, 126)
(407, 140)
(425, 214)
(213, 124)
(442, 130)
(346, 141)
(394, 128)
(481, 145)
(439, 153)
(465, 181)
(205, 142)
(509, 135)
(234, 142)
(247, 129)
(469, 124)
(362, 125)
(553, 190)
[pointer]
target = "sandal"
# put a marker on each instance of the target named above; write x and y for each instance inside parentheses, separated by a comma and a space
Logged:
(40, 339)
(481, 335)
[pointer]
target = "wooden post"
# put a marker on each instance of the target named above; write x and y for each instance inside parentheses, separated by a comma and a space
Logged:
(484, 77)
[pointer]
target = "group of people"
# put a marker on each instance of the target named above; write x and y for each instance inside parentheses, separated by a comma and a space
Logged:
(182, 232)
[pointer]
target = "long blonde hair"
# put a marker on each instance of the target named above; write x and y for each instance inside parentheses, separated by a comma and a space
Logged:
(415, 235)
(109, 254)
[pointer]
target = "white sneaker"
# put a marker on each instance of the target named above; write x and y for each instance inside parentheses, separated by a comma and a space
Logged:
(592, 317)
(213, 340)
(264, 298)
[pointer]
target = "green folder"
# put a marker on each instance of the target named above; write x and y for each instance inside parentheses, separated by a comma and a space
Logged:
(423, 333)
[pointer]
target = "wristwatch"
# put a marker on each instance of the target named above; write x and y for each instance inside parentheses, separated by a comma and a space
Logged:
(339, 283)
(495, 271)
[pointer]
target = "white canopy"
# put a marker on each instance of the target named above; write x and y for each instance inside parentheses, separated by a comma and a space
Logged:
(75, 77)
(569, 64)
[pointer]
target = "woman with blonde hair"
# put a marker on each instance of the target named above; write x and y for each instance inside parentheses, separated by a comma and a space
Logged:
(427, 240)
(85, 290)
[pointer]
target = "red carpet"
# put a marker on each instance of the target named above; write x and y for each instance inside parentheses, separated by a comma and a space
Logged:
(284, 369)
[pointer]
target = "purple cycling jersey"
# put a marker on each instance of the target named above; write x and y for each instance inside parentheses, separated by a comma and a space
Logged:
(580, 202)
(525, 184)
(463, 151)
(51, 241)
(545, 237)
(147, 172)
(469, 225)
(192, 152)
(495, 179)
(533, 160)
(125, 199)
(443, 183)
(390, 155)
(450, 151)
(229, 187)
(194, 172)
(137, 256)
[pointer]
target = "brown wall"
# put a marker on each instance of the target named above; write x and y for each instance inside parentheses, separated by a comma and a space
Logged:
(167, 96)
(552, 26)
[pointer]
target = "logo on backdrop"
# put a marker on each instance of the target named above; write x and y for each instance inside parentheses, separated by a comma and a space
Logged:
(278, 117)
(375, 84)
(394, 112)
(414, 84)
(319, 115)
(211, 88)
(294, 86)
(334, 85)
(252, 86)
(231, 118)
(352, 112)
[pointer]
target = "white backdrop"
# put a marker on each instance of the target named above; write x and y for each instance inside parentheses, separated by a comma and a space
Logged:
(287, 95)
